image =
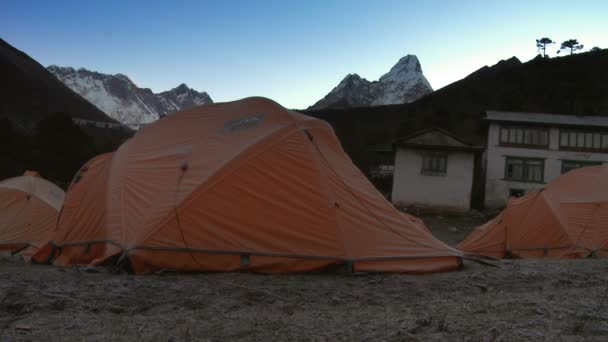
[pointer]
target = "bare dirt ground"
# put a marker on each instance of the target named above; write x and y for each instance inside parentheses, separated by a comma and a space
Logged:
(453, 228)
(563, 300)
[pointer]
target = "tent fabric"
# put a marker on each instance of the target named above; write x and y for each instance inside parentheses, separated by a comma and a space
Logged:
(244, 185)
(566, 219)
(29, 207)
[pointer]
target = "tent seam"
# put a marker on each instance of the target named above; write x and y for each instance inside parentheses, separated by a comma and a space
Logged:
(312, 148)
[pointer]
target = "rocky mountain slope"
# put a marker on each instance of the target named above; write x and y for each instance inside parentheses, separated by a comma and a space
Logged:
(404, 83)
(37, 122)
(119, 97)
(31, 93)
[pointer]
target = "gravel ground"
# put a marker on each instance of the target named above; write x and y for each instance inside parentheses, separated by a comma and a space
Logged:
(522, 300)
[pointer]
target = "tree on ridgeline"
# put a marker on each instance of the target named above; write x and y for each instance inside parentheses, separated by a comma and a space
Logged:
(541, 45)
(595, 49)
(572, 45)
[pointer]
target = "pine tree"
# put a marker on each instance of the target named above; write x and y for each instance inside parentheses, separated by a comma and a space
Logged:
(571, 44)
(541, 45)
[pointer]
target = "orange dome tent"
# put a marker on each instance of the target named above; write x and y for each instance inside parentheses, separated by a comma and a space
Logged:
(29, 206)
(566, 219)
(235, 186)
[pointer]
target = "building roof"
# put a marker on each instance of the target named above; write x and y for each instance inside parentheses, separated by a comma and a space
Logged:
(437, 139)
(546, 118)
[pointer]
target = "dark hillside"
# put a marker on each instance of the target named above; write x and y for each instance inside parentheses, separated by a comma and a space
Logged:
(36, 128)
(576, 84)
(30, 92)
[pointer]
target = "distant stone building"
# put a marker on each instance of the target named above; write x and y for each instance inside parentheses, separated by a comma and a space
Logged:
(433, 168)
(526, 150)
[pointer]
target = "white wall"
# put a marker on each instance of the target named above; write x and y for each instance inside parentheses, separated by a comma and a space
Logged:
(451, 192)
(497, 189)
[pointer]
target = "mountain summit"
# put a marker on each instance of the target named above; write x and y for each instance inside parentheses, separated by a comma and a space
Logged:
(119, 97)
(404, 83)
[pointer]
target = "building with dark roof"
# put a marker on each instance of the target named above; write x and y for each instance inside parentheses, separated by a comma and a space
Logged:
(433, 168)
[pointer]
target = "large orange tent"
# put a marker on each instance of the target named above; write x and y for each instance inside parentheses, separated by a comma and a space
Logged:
(29, 207)
(566, 219)
(235, 186)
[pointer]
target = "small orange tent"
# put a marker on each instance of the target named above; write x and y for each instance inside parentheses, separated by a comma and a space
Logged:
(566, 219)
(29, 206)
(235, 186)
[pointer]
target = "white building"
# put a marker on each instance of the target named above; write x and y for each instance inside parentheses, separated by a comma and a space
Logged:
(526, 150)
(434, 169)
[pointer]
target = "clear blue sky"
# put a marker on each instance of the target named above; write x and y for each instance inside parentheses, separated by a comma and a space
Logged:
(291, 51)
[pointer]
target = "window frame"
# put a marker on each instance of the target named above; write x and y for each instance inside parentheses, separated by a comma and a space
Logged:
(584, 163)
(589, 136)
(525, 170)
(516, 131)
(434, 171)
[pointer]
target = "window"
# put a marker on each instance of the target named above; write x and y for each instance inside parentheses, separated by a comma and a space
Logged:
(568, 165)
(578, 140)
(434, 164)
(524, 136)
(525, 169)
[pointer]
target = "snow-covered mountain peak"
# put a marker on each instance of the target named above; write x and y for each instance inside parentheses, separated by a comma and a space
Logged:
(350, 80)
(407, 67)
(124, 78)
(182, 88)
(404, 83)
(119, 97)
(55, 68)
(352, 77)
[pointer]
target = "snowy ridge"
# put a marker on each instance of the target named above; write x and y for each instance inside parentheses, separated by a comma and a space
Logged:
(404, 83)
(117, 96)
